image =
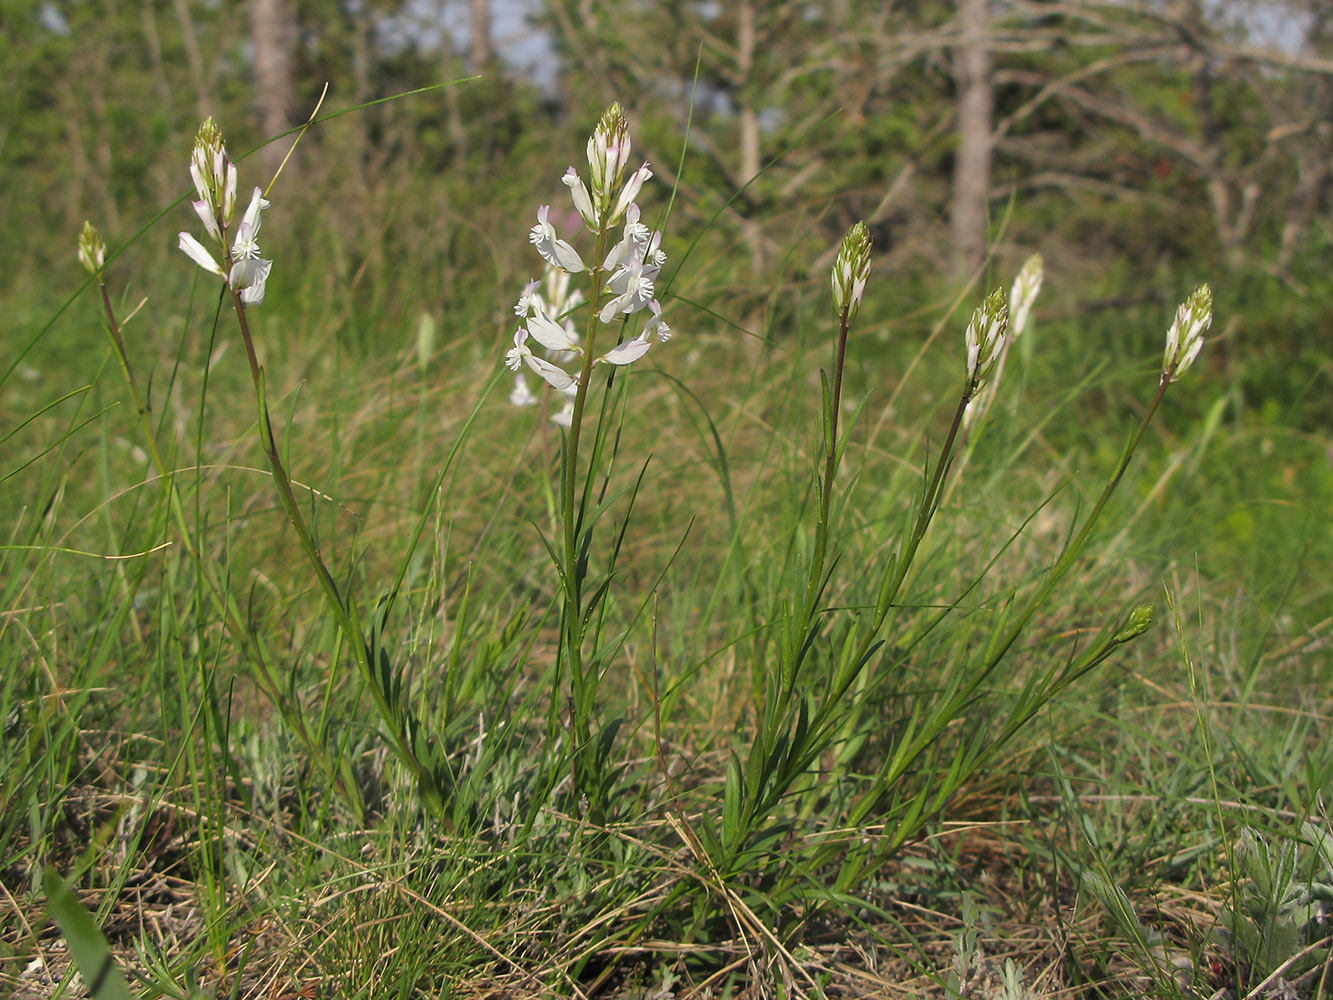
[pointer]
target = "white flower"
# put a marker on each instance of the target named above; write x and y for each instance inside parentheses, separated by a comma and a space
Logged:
(635, 239)
(521, 354)
(521, 395)
(249, 272)
(553, 249)
(199, 254)
(632, 283)
(526, 298)
(657, 326)
(564, 417)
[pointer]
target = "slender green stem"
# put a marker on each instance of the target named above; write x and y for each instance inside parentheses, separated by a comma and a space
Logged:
(830, 463)
(571, 521)
(343, 608)
(222, 599)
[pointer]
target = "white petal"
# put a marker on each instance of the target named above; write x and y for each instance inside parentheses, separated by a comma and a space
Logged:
(197, 175)
(521, 395)
(514, 356)
(630, 191)
(250, 276)
(248, 231)
(524, 304)
(615, 306)
(229, 192)
(207, 217)
(553, 249)
(550, 334)
(553, 376)
(196, 252)
(629, 351)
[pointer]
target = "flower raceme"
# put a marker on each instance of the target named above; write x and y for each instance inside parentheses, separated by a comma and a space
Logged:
(985, 338)
(1184, 339)
(214, 176)
(852, 270)
(628, 271)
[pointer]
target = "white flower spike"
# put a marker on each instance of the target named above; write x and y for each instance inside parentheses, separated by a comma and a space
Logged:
(1185, 338)
(629, 272)
(92, 249)
(852, 270)
(985, 338)
(214, 179)
(1024, 293)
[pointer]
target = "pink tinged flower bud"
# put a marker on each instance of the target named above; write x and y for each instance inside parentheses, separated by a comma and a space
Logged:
(92, 249)
(582, 200)
(1024, 293)
(985, 337)
(851, 271)
(628, 193)
(1184, 339)
(209, 218)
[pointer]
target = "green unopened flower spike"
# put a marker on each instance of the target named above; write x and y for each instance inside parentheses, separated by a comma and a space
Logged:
(985, 337)
(1024, 293)
(1185, 338)
(92, 249)
(1138, 622)
(852, 270)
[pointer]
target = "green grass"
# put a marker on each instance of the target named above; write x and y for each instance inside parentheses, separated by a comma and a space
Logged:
(187, 741)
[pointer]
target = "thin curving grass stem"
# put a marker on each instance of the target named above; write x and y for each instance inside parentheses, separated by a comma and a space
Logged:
(222, 599)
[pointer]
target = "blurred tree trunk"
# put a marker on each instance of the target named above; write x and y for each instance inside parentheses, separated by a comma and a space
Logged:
(270, 33)
(192, 56)
(483, 53)
(971, 173)
(748, 124)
